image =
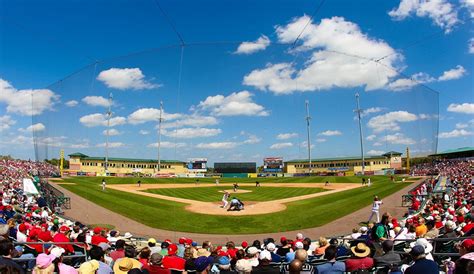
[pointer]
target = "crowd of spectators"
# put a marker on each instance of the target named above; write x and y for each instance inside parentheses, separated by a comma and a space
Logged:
(33, 238)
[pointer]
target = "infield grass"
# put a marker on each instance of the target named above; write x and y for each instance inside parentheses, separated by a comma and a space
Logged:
(172, 216)
(212, 194)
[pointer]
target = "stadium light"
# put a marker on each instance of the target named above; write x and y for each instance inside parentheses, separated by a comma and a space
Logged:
(160, 120)
(109, 115)
(308, 119)
(359, 112)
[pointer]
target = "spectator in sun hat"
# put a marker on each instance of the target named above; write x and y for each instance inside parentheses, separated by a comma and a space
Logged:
(44, 264)
(59, 266)
(153, 247)
(123, 265)
(421, 264)
(155, 266)
(466, 250)
(172, 261)
(272, 248)
(427, 247)
(360, 258)
(203, 264)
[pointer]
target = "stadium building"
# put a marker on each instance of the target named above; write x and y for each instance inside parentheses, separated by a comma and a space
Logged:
(378, 165)
(81, 164)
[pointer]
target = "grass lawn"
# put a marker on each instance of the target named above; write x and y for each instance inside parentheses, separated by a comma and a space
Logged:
(212, 194)
(172, 215)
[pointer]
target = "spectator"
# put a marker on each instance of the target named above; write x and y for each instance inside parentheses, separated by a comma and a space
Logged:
(360, 259)
(421, 229)
(433, 232)
(152, 245)
(59, 266)
(97, 254)
(203, 264)
(222, 266)
(123, 265)
(332, 266)
(323, 244)
(155, 266)
(44, 264)
(389, 258)
(144, 255)
(466, 250)
(119, 250)
(421, 265)
(172, 261)
(7, 265)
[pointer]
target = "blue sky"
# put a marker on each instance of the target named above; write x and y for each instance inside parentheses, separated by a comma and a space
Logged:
(236, 90)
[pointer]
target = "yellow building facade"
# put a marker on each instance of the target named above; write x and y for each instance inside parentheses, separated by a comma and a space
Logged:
(349, 165)
(81, 164)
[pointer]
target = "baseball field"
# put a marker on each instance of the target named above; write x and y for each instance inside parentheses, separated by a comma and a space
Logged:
(188, 205)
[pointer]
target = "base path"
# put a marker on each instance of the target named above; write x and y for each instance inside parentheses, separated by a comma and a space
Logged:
(90, 213)
(251, 207)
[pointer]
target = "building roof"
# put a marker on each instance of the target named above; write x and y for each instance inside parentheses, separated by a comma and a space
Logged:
(391, 153)
(454, 151)
(113, 159)
(336, 159)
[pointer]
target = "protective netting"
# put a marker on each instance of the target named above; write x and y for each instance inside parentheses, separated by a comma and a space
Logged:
(231, 107)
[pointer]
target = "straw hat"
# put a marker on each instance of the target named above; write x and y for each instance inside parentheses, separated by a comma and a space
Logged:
(361, 250)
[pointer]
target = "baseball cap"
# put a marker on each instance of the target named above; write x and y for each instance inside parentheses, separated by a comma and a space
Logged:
(203, 262)
(245, 244)
(271, 247)
(152, 241)
(172, 248)
(63, 229)
(57, 251)
(417, 250)
(252, 250)
(265, 255)
(468, 244)
(44, 260)
(97, 230)
(299, 245)
(224, 260)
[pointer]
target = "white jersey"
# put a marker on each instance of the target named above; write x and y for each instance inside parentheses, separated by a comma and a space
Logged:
(376, 205)
(225, 197)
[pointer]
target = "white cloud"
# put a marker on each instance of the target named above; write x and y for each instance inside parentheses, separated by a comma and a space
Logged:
(217, 145)
(193, 120)
(281, 145)
(471, 45)
(327, 67)
(111, 144)
(96, 101)
(461, 125)
(469, 4)
(455, 133)
(467, 108)
(398, 139)
(99, 119)
(112, 132)
(33, 128)
(27, 101)
(453, 74)
(167, 145)
(237, 103)
(72, 103)
(371, 111)
(330, 133)
(126, 78)
(320, 140)
(286, 136)
(441, 12)
(80, 145)
(6, 122)
(250, 47)
(390, 121)
(52, 141)
(375, 152)
(187, 133)
(252, 139)
(144, 115)
(304, 144)
(371, 137)
(144, 132)
(407, 83)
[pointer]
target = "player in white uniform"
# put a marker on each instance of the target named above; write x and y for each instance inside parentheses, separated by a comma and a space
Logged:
(103, 184)
(217, 182)
(375, 209)
(224, 199)
(369, 183)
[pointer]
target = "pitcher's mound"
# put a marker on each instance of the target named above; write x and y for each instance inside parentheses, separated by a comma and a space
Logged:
(231, 191)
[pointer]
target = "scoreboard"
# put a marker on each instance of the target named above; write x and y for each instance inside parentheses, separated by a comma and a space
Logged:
(197, 165)
(250, 167)
(273, 164)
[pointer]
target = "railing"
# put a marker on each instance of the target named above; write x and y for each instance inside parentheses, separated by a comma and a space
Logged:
(54, 197)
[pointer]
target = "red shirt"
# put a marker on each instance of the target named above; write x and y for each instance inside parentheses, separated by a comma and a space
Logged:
(468, 227)
(117, 254)
(45, 236)
(362, 263)
(174, 262)
(155, 269)
(59, 238)
(97, 239)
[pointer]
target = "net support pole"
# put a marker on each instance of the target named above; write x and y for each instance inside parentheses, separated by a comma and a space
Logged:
(308, 119)
(361, 135)
(160, 120)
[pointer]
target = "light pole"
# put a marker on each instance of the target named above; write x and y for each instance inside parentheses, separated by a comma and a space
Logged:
(308, 119)
(109, 115)
(160, 120)
(359, 112)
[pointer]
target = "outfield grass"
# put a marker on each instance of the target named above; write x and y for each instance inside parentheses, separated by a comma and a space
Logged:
(172, 216)
(312, 179)
(212, 194)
